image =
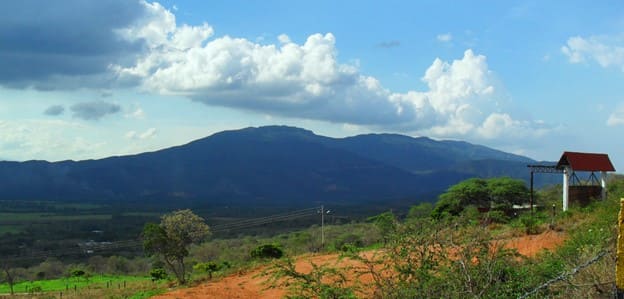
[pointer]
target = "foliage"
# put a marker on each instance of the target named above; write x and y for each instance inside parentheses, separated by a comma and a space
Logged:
(497, 193)
(530, 224)
(422, 257)
(171, 239)
(386, 222)
(267, 251)
(447, 206)
(421, 210)
(428, 259)
(77, 272)
(496, 216)
(158, 274)
(8, 275)
(61, 284)
(323, 281)
(505, 192)
(209, 267)
(146, 294)
(348, 241)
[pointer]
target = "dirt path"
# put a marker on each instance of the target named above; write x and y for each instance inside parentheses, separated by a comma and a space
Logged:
(245, 285)
(248, 285)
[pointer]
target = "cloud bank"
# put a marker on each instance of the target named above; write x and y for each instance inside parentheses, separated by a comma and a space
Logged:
(64, 45)
(94, 110)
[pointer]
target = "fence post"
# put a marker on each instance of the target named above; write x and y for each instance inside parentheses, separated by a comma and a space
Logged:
(619, 265)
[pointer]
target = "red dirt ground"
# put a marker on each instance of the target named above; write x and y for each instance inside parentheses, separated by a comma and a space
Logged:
(247, 285)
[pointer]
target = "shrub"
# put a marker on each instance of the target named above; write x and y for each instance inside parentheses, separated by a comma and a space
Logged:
(267, 251)
(497, 216)
(530, 224)
(348, 240)
(226, 265)
(77, 273)
(209, 267)
(158, 274)
(322, 281)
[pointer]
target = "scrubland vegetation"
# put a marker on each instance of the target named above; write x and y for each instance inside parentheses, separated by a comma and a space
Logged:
(453, 249)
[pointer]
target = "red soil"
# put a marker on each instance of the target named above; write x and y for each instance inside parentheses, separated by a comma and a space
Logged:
(250, 285)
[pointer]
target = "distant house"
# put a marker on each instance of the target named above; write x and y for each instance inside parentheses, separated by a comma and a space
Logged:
(575, 189)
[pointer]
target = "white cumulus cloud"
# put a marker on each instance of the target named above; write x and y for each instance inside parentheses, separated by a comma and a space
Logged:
(307, 81)
(604, 50)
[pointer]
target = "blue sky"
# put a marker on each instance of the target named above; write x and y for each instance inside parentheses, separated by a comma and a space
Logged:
(91, 79)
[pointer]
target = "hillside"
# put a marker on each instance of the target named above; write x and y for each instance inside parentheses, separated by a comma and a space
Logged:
(252, 284)
(269, 165)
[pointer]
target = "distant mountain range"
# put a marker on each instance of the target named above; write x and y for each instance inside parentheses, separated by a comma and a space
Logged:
(273, 165)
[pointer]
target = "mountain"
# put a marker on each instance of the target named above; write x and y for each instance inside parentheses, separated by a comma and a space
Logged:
(273, 165)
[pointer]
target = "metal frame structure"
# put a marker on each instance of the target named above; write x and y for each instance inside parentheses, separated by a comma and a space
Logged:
(535, 168)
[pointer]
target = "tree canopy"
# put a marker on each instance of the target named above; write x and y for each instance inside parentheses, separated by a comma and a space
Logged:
(171, 238)
(497, 193)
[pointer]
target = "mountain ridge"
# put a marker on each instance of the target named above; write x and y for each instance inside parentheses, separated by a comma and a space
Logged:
(266, 165)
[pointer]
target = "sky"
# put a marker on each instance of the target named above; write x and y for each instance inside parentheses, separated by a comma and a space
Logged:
(92, 79)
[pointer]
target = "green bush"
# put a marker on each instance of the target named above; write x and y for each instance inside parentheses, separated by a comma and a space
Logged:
(158, 274)
(497, 216)
(530, 224)
(267, 251)
(77, 273)
(348, 240)
(209, 267)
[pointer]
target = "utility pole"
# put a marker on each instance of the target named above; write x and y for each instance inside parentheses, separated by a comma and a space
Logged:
(322, 227)
(532, 200)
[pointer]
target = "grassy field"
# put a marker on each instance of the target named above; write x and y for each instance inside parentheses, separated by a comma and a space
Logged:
(145, 214)
(91, 287)
(47, 217)
(13, 229)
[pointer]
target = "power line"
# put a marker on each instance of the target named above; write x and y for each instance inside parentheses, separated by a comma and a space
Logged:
(265, 220)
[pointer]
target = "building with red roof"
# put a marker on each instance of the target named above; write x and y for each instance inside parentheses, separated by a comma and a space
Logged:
(572, 162)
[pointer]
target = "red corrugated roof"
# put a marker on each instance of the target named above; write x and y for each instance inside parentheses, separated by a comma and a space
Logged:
(586, 161)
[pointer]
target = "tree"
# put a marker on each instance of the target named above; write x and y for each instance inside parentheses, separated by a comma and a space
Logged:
(497, 193)
(386, 222)
(421, 210)
(9, 276)
(172, 237)
(505, 192)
